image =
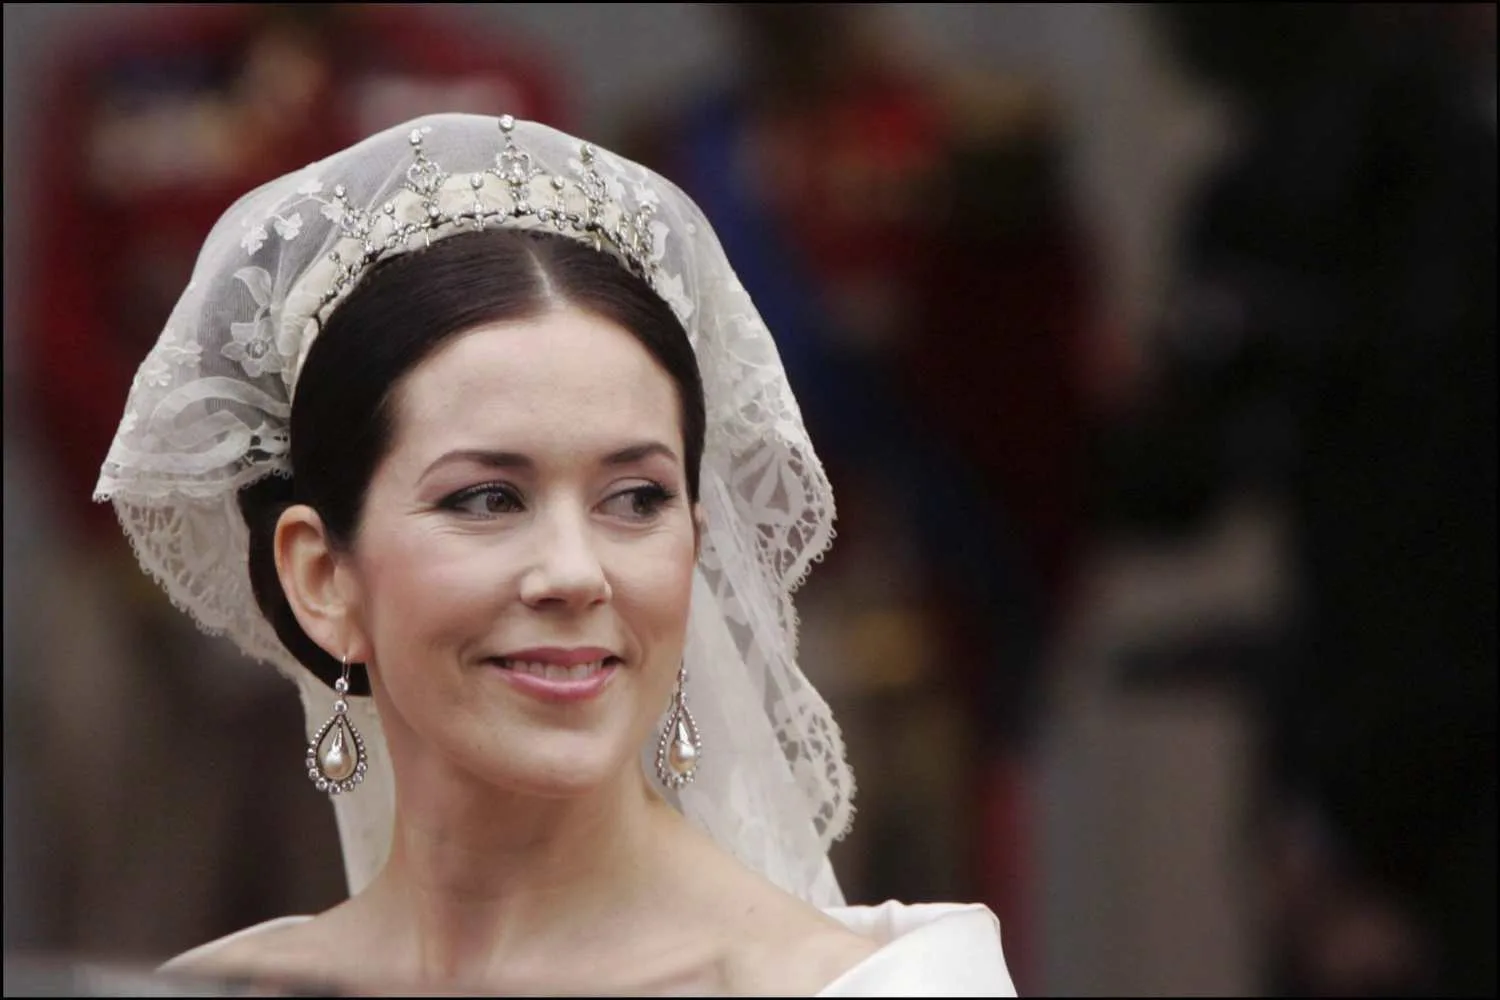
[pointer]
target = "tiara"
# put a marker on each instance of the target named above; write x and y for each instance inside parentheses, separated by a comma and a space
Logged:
(581, 205)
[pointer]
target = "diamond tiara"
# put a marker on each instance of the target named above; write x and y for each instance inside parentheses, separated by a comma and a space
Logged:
(580, 205)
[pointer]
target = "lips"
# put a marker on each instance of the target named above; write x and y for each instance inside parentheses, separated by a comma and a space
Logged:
(558, 675)
(556, 656)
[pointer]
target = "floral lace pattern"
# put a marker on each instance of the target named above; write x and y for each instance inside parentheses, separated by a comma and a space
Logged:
(207, 414)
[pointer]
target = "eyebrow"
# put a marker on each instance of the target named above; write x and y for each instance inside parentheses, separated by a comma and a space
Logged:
(515, 460)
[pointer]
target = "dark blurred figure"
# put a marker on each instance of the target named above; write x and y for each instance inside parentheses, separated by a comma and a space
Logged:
(1332, 344)
(1004, 362)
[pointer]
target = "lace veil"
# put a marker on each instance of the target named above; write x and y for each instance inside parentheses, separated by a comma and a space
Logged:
(207, 414)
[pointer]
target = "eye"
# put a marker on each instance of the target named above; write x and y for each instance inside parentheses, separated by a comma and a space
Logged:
(486, 500)
(639, 503)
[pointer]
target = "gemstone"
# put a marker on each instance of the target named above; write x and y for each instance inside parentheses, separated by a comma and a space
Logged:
(683, 757)
(336, 752)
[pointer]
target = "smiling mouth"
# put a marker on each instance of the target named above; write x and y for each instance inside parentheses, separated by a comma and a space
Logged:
(555, 671)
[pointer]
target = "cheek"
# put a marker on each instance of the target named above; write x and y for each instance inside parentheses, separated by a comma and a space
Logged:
(652, 587)
(427, 588)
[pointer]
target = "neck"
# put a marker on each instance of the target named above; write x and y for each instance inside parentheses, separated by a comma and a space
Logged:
(481, 880)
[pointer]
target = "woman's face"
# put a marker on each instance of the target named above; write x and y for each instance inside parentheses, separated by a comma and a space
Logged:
(525, 558)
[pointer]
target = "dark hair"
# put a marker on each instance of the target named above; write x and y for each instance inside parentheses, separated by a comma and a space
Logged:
(398, 315)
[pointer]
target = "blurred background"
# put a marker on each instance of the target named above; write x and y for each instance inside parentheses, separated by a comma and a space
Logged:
(1151, 351)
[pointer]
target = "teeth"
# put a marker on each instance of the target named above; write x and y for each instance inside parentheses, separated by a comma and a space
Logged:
(555, 672)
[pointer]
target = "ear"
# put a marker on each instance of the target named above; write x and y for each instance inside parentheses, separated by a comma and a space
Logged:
(320, 585)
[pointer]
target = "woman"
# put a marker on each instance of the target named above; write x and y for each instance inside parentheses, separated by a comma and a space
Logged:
(471, 430)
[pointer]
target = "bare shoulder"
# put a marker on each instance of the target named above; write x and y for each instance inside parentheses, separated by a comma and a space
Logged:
(787, 947)
(281, 951)
(814, 960)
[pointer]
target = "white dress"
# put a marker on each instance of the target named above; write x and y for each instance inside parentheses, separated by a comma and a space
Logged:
(926, 950)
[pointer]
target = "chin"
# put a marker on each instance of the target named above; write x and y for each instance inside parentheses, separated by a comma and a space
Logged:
(558, 765)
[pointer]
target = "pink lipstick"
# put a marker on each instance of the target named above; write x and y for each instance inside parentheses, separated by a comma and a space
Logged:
(559, 675)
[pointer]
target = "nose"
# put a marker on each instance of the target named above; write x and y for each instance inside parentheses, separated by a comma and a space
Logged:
(565, 571)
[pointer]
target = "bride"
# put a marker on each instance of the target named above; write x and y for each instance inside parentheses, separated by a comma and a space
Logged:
(471, 431)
